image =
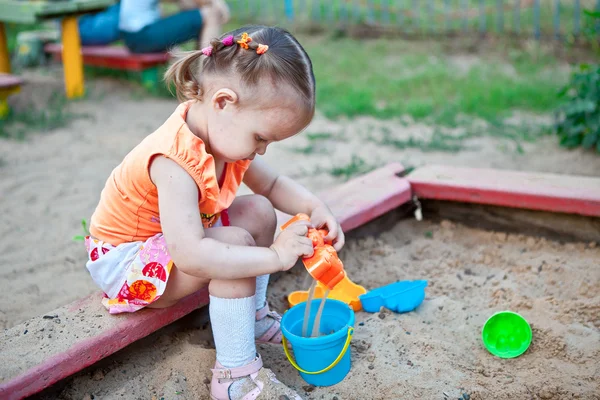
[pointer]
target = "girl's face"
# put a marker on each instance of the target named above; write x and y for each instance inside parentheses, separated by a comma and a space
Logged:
(241, 131)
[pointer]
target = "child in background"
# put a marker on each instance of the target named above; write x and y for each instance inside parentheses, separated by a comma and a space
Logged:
(140, 24)
(169, 222)
(145, 31)
(101, 28)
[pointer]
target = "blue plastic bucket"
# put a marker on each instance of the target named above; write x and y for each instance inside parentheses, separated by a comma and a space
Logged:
(324, 360)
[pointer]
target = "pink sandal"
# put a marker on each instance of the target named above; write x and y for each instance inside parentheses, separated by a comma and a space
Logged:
(263, 379)
(273, 334)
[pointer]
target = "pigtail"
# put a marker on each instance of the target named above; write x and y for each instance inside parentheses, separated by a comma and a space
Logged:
(181, 75)
(243, 53)
(217, 44)
(222, 54)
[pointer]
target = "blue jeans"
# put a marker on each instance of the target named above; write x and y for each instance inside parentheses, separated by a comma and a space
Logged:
(101, 28)
(165, 33)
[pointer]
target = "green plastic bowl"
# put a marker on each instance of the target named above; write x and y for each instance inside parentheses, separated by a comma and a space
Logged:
(506, 334)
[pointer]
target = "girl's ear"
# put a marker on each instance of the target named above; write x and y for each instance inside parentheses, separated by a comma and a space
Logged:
(224, 97)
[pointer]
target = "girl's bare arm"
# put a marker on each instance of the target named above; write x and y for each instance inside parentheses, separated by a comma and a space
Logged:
(285, 194)
(291, 198)
(192, 252)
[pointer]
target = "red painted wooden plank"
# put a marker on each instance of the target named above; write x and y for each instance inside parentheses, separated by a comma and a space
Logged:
(115, 332)
(27, 370)
(113, 57)
(8, 81)
(528, 190)
(366, 197)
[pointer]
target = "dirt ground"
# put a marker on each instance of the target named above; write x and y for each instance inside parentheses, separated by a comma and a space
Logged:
(50, 181)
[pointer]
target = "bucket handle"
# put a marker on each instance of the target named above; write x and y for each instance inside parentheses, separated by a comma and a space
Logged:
(333, 364)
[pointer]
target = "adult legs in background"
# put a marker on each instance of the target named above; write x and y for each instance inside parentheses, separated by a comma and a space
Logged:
(165, 33)
(202, 24)
(100, 28)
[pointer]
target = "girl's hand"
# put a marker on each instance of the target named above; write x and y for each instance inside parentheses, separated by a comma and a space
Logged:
(293, 243)
(322, 217)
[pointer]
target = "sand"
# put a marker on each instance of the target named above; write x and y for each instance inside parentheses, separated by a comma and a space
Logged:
(50, 181)
(434, 352)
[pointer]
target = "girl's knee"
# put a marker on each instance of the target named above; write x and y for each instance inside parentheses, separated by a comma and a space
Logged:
(231, 235)
(232, 289)
(240, 237)
(263, 211)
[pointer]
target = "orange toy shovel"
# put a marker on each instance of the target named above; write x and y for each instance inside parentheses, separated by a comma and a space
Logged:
(324, 265)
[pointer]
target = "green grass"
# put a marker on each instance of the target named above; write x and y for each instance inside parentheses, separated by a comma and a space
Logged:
(161, 89)
(429, 16)
(388, 78)
(315, 143)
(12, 30)
(392, 78)
(385, 78)
(356, 166)
(53, 115)
(309, 149)
(317, 136)
(439, 141)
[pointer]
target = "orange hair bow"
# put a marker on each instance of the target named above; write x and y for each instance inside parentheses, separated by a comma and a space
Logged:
(243, 42)
(262, 49)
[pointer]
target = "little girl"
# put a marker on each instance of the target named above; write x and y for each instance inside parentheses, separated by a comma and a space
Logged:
(169, 223)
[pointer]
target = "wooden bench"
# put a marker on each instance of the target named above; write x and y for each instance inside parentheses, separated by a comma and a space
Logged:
(35, 12)
(9, 85)
(83, 332)
(119, 58)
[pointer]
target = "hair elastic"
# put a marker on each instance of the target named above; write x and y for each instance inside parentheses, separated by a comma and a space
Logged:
(262, 49)
(243, 42)
(228, 41)
(207, 51)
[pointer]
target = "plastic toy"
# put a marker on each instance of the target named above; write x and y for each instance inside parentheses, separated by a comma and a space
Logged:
(323, 360)
(506, 334)
(401, 297)
(345, 291)
(324, 265)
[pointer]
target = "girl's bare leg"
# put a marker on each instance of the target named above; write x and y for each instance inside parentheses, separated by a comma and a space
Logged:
(253, 223)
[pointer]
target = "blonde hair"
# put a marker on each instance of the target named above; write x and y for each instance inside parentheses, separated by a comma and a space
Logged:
(285, 62)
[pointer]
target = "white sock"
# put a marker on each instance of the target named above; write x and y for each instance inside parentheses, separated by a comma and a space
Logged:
(261, 290)
(232, 322)
(261, 300)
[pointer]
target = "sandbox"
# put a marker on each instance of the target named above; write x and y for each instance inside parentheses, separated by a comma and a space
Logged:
(478, 258)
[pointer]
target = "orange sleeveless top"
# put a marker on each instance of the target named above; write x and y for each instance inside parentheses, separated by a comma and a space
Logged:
(128, 207)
